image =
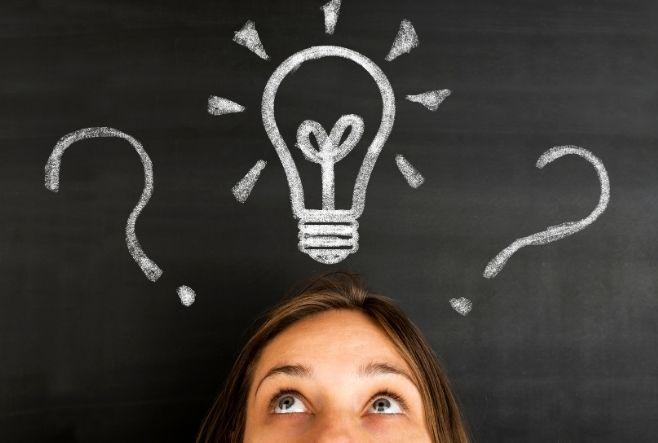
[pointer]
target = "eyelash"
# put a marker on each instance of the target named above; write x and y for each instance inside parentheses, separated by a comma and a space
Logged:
(384, 392)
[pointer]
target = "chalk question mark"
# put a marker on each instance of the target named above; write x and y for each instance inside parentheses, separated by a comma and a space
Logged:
(150, 269)
(554, 233)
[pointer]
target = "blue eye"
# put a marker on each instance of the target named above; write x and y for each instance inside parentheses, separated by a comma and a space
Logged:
(385, 404)
(288, 404)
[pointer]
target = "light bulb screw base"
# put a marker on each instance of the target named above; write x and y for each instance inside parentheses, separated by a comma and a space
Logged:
(328, 242)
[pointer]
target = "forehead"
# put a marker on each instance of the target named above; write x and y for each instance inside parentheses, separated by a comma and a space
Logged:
(338, 337)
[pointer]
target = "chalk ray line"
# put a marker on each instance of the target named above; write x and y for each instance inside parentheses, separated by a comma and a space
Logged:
(409, 172)
(222, 106)
(557, 232)
(331, 13)
(248, 37)
(430, 99)
(243, 188)
(405, 41)
(462, 305)
(148, 266)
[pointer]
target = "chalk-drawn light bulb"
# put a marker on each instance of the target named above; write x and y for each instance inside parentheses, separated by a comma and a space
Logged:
(328, 235)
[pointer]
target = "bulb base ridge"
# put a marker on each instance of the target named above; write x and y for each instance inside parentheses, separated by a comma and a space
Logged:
(328, 242)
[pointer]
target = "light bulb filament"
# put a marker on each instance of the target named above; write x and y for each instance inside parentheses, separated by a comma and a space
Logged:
(330, 150)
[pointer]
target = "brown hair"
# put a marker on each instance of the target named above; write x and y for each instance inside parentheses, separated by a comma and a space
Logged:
(225, 422)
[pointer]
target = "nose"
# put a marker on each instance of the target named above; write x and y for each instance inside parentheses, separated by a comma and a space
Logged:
(337, 429)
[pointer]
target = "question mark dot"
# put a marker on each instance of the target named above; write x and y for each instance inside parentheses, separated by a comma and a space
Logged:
(186, 295)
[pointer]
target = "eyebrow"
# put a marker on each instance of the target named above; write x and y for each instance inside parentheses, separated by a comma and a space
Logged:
(369, 370)
(378, 368)
(292, 370)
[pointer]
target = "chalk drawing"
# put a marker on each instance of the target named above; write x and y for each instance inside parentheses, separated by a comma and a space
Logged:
(328, 235)
(331, 150)
(405, 41)
(186, 295)
(411, 174)
(462, 305)
(248, 37)
(331, 11)
(148, 266)
(430, 99)
(221, 106)
(151, 270)
(554, 233)
(243, 188)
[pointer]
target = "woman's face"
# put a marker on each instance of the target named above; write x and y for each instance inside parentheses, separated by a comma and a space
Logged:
(334, 377)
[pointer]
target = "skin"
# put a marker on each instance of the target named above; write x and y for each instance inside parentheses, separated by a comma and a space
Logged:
(333, 367)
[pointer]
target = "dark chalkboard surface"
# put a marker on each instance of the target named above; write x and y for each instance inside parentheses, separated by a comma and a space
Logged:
(561, 345)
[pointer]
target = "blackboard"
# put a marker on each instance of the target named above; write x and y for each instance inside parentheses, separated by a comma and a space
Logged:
(561, 345)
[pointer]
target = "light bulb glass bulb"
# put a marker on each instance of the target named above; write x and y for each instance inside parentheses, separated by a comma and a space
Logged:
(328, 235)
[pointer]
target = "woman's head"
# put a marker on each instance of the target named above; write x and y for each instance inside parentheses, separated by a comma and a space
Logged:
(335, 362)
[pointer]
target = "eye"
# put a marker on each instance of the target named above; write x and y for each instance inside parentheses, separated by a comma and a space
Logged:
(288, 403)
(386, 404)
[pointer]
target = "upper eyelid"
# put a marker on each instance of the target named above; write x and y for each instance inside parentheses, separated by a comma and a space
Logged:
(388, 393)
(283, 392)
